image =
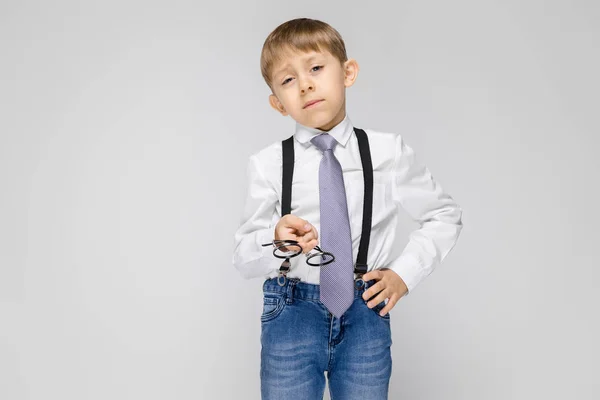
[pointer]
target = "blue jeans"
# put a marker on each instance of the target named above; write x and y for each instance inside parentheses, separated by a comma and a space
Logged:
(301, 340)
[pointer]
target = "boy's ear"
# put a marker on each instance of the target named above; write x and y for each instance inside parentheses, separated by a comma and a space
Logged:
(276, 104)
(351, 69)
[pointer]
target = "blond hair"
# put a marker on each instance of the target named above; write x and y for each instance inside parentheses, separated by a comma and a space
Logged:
(301, 34)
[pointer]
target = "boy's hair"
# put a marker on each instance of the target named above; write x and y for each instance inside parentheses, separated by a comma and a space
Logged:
(301, 34)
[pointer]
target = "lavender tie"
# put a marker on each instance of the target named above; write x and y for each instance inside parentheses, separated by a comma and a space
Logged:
(337, 278)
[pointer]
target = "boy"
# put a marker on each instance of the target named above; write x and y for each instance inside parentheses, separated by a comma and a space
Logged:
(345, 185)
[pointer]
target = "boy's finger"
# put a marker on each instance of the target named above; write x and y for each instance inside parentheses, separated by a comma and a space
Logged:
(310, 229)
(375, 274)
(311, 235)
(308, 234)
(298, 223)
(390, 304)
(373, 290)
(309, 246)
(305, 243)
(315, 231)
(378, 299)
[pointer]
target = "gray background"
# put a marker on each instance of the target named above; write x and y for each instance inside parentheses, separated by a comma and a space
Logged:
(125, 129)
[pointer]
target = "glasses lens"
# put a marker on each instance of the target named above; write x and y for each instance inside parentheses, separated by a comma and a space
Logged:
(288, 250)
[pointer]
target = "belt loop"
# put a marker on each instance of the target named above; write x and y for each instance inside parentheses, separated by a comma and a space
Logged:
(290, 290)
(361, 288)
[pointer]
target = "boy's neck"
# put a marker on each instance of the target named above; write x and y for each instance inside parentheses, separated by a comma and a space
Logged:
(335, 121)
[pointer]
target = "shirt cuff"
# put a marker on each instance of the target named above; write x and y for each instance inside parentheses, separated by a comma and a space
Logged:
(408, 267)
(267, 236)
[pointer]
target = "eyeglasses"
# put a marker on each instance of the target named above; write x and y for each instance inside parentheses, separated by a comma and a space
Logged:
(291, 248)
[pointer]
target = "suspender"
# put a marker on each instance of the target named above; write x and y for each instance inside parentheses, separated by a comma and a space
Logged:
(288, 173)
(360, 267)
(365, 157)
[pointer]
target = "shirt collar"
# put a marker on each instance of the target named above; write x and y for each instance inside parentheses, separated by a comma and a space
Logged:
(341, 132)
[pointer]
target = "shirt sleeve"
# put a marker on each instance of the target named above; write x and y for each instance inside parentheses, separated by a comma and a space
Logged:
(257, 226)
(415, 189)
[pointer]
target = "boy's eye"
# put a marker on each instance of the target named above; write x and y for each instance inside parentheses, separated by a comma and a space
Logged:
(316, 66)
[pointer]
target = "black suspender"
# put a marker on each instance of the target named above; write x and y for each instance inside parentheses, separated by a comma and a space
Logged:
(288, 173)
(367, 166)
(360, 267)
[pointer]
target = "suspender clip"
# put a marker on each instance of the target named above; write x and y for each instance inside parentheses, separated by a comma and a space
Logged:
(360, 268)
(283, 270)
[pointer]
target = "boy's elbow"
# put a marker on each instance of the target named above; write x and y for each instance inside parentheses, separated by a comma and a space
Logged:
(449, 214)
(458, 212)
(244, 272)
(248, 269)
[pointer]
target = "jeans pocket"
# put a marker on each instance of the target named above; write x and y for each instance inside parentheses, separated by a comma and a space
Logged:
(377, 309)
(273, 304)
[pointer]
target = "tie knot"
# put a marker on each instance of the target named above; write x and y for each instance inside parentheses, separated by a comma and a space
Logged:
(324, 142)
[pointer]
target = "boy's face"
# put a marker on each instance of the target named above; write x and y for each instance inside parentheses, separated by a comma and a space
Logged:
(305, 77)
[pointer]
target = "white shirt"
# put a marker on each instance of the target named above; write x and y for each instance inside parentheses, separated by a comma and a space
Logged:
(398, 179)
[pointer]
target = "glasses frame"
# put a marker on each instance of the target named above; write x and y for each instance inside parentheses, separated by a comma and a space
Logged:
(318, 253)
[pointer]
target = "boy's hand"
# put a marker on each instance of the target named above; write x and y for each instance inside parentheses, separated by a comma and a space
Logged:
(389, 285)
(291, 227)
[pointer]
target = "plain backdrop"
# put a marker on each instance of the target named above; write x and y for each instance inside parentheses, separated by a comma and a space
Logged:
(125, 129)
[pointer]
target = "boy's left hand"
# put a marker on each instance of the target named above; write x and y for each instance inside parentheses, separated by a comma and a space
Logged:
(389, 285)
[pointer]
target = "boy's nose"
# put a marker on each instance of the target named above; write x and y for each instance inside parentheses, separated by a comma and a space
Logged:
(306, 84)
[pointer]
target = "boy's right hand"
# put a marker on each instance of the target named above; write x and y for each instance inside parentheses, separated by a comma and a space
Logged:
(291, 227)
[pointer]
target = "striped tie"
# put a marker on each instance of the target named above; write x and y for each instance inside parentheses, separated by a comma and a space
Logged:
(337, 278)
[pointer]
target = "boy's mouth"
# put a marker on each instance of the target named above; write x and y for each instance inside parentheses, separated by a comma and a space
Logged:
(312, 102)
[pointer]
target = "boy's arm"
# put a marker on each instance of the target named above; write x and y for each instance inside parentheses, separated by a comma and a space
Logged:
(256, 226)
(425, 201)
